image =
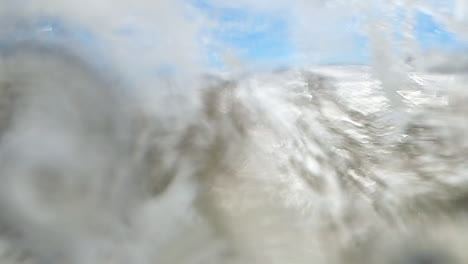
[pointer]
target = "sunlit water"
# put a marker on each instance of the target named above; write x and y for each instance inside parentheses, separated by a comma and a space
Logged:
(104, 159)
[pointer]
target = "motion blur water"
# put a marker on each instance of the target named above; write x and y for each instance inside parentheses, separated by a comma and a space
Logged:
(128, 152)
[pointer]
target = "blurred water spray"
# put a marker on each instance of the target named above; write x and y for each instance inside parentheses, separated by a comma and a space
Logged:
(117, 146)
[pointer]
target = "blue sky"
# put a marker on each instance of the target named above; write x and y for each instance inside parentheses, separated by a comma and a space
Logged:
(431, 34)
(256, 37)
(265, 39)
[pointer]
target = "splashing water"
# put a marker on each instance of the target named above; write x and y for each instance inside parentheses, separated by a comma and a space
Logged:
(117, 146)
